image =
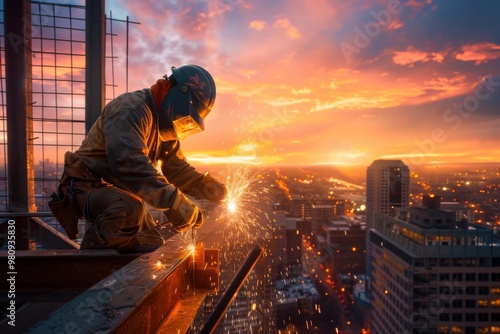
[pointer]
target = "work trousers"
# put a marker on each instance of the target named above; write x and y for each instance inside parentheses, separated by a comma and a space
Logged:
(115, 218)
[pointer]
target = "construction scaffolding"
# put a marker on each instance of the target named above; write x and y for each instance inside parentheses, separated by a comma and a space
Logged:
(56, 38)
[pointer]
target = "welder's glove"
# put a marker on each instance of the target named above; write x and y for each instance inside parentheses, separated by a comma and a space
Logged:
(211, 189)
(183, 213)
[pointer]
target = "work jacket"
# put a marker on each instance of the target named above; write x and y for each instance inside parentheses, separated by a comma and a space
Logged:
(123, 147)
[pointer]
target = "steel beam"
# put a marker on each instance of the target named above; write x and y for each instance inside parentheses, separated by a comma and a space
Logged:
(139, 297)
(47, 236)
(47, 279)
(53, 271)
(39, 231)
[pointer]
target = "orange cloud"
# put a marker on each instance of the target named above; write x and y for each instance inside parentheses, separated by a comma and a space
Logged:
(291, 31)
(394, 24)
(479, 52)
(301, 91)
(410, 56)
(258, 25)
(417, 5)
(446, 86)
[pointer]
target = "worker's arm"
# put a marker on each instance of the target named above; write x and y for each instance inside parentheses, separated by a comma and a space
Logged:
(176, 169)
(126, 134)
(184, 176)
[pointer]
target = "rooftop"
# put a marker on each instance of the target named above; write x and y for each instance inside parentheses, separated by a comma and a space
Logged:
(291, 289)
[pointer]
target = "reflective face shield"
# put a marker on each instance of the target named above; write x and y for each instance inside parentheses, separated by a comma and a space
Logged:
(186, 126)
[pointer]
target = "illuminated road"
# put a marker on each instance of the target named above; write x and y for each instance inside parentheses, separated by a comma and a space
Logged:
(236, 230)
(343, 320)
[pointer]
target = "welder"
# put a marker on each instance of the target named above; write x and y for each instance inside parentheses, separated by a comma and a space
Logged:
(112, 178)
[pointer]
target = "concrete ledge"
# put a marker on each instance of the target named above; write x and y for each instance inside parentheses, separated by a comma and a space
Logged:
(139, 297)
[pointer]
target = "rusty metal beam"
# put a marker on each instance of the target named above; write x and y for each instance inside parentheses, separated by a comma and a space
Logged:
(39, 231)
(47, 279)
(57, 271)
(139, 297)
(48, 237)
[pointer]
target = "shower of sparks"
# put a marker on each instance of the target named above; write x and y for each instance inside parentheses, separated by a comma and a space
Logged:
(188, 240)
(243, 220)
(246, 218)
(242, 211)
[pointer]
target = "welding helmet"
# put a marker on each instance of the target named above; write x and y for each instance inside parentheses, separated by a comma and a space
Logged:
(187, 103)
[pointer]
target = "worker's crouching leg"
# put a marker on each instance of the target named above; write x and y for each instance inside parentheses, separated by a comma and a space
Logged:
(119, 220)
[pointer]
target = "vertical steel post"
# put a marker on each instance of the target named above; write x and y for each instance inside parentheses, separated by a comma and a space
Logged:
(126, 56)
(231, 291)
(21, 189)
(95, 52)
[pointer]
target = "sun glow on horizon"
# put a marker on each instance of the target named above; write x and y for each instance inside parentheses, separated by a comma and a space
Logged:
(215, 160)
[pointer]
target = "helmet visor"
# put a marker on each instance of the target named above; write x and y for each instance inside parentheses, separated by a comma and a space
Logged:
(186, 126)
(180, 113)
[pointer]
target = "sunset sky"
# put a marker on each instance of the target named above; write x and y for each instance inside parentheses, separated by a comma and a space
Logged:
(330, 82)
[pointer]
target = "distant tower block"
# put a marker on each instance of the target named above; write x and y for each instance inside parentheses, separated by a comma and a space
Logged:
(387, 188)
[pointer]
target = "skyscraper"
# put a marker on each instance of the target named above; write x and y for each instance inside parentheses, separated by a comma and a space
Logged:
(433, 274)
(387, 188)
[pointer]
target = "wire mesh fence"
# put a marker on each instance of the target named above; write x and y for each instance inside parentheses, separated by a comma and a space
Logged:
(58, 90)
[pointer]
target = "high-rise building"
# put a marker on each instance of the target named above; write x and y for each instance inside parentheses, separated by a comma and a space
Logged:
(288, 240)
(321, 214)
(302, 208)
(387, 188)
(346, 247)
(432, 273)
